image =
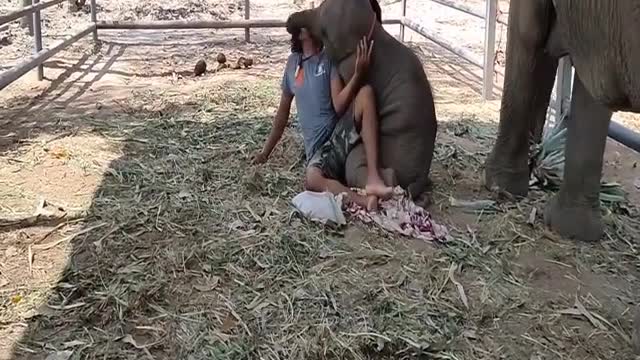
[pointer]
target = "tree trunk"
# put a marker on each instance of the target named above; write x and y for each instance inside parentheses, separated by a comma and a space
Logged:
(27, 21)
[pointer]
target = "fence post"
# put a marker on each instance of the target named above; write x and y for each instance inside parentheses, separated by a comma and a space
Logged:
(247, 16)
(37, 37)
(563, 87)
(489, 49)
(27, 20)
(404, 13)
(94, 19)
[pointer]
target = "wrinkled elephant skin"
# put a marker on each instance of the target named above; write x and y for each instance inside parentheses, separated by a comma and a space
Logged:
(403, 94)
(600, 37)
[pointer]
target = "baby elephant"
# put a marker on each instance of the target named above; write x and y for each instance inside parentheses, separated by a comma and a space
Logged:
(401, 90)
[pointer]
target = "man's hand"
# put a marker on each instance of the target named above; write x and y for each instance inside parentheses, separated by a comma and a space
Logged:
(363, 56)
(259, 158)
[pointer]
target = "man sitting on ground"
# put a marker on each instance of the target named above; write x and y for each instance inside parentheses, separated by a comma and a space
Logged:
(322, 99)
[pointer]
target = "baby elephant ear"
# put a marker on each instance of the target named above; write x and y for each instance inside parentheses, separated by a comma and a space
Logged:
(291, 27)
(376, 9)
(298, 20)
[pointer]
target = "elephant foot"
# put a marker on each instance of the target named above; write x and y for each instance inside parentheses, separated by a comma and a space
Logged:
(582, 223)
(424, 200)
(511, 179)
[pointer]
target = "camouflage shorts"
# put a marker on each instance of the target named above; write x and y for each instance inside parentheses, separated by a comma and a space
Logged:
(331, 157)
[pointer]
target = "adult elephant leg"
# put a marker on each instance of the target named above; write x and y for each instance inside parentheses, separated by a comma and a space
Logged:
(575, 211)
(529, 78)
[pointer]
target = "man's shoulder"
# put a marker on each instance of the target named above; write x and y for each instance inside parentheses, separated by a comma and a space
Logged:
(324, 57)
(293, 58)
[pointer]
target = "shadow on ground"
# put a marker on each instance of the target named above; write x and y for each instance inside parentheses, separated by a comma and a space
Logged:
(187, 252)
(125, 61)
(20, 124)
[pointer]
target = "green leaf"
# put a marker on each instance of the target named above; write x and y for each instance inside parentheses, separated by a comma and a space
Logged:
(548, 165)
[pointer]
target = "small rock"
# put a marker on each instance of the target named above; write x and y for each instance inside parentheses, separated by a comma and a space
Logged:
(184, 194)
(221, 58)
(470, 334)
(5, 41)
(11, 251)
(243, 62)
(238, 64)
(60, 355)
(201, 67)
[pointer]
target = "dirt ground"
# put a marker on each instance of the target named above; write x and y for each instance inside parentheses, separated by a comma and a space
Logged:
(154, 238)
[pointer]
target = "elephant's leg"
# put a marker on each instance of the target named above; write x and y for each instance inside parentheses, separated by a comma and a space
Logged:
(356, 170)
(529, 78)
(575, 211)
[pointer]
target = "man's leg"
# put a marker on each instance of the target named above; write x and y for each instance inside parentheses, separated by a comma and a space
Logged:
(316, 181)
(366, 116)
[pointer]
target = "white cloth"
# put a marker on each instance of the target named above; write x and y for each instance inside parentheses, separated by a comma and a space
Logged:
(322, 207)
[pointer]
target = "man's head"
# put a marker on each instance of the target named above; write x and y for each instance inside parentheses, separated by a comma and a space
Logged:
(303, 36)
(339, 24)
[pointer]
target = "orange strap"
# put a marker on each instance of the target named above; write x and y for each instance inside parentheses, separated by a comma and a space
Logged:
(299, 75)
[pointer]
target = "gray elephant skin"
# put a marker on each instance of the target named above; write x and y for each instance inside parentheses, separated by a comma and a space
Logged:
(601, 39)
(403, 94)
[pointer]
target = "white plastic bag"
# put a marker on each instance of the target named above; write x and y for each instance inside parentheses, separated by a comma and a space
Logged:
(322, 207)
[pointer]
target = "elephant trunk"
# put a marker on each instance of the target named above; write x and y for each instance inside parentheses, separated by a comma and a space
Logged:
(303, 19)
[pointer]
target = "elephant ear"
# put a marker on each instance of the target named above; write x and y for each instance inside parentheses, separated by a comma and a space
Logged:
(342, 23)
(302, 19)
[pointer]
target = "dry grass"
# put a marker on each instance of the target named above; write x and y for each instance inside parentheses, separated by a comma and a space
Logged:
(187, 252)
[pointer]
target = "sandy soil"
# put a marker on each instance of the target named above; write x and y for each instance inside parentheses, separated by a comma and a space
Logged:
(125, 127)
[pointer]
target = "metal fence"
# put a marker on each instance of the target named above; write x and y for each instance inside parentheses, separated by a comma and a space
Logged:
(490, 17)
(563, 81)
(40, 55)
(564, 88)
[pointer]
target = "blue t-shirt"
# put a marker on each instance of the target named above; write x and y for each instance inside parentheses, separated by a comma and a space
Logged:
(312, 92)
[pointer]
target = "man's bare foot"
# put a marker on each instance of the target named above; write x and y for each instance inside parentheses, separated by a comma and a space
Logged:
(377, 187)
(372, 203)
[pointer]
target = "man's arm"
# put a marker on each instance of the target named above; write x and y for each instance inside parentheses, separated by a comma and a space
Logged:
(279, 124)
(341, 95)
